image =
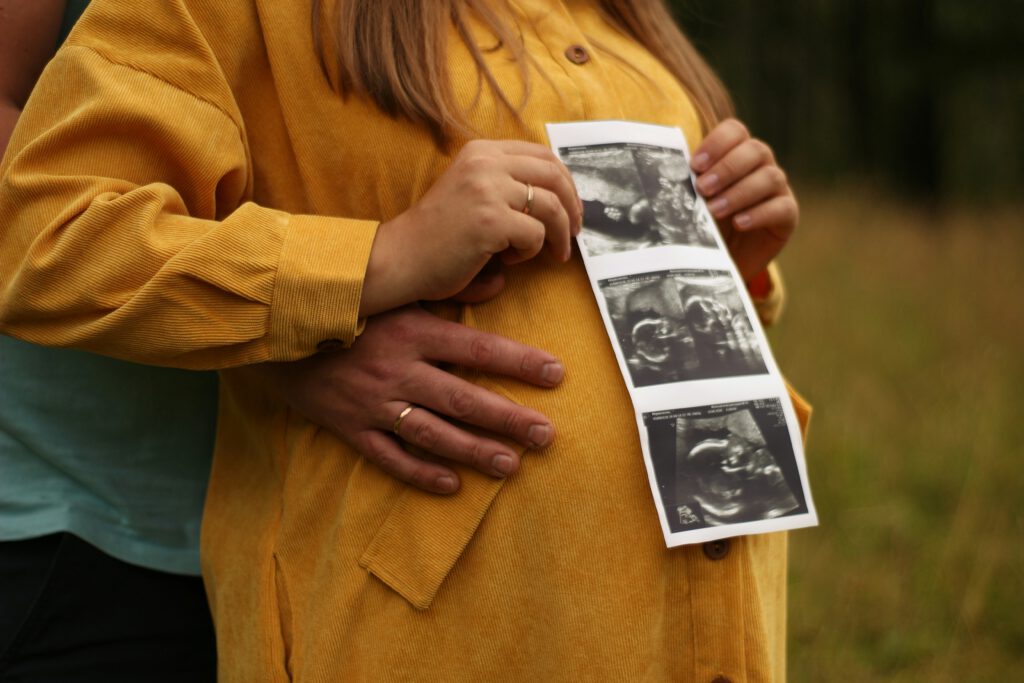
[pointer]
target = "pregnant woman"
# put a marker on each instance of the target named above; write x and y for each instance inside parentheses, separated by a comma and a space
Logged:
(226, 184)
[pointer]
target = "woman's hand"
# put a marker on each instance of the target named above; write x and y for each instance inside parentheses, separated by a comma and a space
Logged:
(747, 193)
(480, 208)
(359, 392)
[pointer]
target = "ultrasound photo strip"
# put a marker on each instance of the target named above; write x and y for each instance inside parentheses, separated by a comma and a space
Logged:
(681, 325)
(720, 437)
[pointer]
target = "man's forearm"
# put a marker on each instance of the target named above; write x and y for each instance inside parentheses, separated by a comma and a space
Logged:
(8, 117)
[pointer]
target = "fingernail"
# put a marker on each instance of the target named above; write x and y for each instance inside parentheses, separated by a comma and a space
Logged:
(445, 484)
(708, 183)
(502, 464)
(552, 373)
(700, 161)
(718, 206)
(539, 435)
(743, 221)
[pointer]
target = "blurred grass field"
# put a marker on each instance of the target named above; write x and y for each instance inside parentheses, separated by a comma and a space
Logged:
(905, 328)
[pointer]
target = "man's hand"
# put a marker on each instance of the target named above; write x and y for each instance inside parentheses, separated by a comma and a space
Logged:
(358, 394)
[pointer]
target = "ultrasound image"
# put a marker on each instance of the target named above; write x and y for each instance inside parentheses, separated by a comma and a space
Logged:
(724, 464)
(636, 196)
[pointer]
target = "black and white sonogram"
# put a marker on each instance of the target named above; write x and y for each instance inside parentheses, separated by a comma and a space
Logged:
(636, 196)
(680, 325)
(724, 464)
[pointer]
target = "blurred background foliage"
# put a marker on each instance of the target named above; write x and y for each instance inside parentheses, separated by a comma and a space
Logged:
(902, 125)
(924, 97)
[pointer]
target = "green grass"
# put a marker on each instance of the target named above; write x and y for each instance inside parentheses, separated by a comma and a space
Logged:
(906, 331)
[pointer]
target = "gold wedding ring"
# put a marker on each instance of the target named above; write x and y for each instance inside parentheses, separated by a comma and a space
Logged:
(401, 416)
(528, 206)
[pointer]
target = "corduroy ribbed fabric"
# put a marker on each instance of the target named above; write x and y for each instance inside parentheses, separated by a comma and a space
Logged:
(160, 200)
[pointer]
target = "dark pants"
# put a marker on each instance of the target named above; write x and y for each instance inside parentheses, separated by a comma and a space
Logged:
(71, 613)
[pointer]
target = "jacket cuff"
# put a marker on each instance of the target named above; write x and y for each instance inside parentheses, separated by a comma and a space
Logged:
(319, 284)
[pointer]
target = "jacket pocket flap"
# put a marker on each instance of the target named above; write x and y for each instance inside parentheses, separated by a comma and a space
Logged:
(424, 535)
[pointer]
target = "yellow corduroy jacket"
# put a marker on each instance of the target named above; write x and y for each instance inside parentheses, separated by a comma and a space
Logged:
(186, 189)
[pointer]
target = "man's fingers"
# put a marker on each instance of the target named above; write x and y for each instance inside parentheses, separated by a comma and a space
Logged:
(423, 429)
(452, 397)
(457, 344)
(387, 454)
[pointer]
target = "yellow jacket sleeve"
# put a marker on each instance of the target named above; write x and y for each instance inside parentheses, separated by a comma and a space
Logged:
(769, 307)
(127, 228)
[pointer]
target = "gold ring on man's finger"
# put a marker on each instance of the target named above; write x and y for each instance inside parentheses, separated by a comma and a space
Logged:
(528, 206)
(401, 416)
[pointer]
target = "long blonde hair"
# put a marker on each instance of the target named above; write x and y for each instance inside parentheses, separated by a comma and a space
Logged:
(395, 51)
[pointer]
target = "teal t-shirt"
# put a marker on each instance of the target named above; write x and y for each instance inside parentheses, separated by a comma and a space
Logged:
(72, 10)
(116, 453)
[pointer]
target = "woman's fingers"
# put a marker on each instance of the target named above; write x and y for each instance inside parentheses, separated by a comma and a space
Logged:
(778, 216)
(487, 284)
(540, 186)
(759, 186)
(552, 175)
(747, 193)
(736, 164)
(525, 238)
(741, 179)
(531, 150)
(717, 143)
(525, 148)
(545, 208)
(557, 224)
